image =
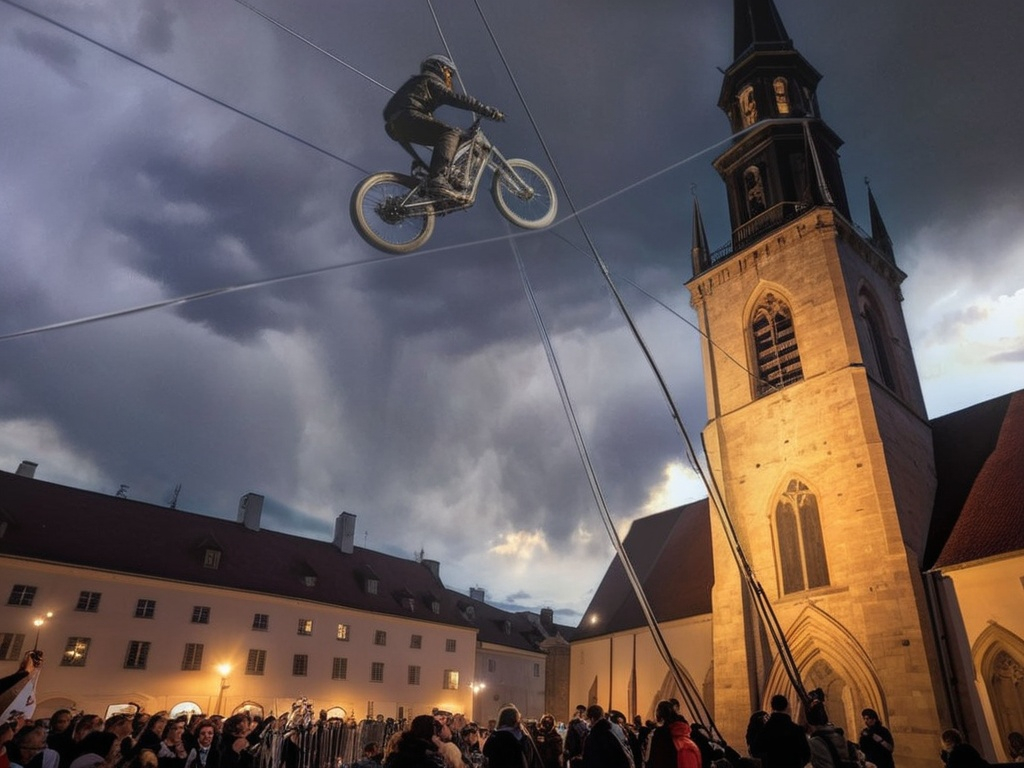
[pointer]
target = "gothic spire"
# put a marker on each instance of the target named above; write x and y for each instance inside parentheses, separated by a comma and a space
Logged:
(758, 26)
(879, 235)
(699, 251)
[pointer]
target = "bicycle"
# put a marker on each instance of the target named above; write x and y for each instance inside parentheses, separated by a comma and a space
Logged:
(396, 212)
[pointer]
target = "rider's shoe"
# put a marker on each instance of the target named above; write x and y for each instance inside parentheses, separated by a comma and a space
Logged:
(439, 185)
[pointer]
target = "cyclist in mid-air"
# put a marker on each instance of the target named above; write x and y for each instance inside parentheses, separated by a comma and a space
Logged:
(409, 116)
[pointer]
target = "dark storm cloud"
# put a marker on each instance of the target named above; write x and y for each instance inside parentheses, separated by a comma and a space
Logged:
(415, 393)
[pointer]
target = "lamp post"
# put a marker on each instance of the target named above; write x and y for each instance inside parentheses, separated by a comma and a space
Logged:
(224, 670)
(38, 623)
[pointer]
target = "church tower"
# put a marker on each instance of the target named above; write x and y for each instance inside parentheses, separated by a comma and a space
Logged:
(817, 433)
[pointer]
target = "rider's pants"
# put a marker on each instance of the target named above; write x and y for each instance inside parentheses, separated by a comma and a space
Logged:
(419, 128)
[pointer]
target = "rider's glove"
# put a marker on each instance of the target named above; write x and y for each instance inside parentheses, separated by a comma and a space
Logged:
(495, 114)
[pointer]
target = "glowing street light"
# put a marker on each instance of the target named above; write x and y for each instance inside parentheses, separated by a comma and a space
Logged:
(223, 670)
(38, 623)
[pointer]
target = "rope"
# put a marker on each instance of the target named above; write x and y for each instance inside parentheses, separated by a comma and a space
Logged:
(310, 43)
(181, 84)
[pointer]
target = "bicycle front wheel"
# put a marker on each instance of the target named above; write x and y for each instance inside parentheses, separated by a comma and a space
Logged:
(383, 216)
(525, 197)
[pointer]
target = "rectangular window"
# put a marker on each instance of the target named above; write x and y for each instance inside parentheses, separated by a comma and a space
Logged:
(451, 680)
(449, 645)
(75, 651)
(377, 672)
(372, 585)
(211, 559)
(536, 670)
(491, 665)
(343, 631)
(144, 609)
(339, 668)
(88, 601)
(300, 664)
(256, 662)
(416, 641)
(22, 594)
(192, 661)
(305, 626)
(201, 614)
(137, 655)
(380, 637)
(414, 675)
(10, 646)
(260, 621)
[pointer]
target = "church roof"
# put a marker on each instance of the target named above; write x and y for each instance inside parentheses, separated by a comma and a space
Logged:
(54, 523)
(757, 25)
(982, 474)
(671, 554)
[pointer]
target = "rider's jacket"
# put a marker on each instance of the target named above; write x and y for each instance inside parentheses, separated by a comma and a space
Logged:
(425, 93)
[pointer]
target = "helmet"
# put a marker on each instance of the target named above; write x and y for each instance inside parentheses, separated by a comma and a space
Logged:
(440, 65)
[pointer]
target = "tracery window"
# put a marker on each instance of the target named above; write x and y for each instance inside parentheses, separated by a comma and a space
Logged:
(753, 185)
(878, 339)
(776, 356)
(802, 561)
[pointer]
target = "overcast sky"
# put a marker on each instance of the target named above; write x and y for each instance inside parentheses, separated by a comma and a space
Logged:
(415, 392)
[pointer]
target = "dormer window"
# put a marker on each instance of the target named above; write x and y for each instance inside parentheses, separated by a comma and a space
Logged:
(309, 580)
(371, 583)
(408, 603)
(435, 606)
(507, 627)
(471, 612)
(211, 558)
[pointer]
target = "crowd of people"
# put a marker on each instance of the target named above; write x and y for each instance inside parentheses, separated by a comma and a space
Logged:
(592, 738)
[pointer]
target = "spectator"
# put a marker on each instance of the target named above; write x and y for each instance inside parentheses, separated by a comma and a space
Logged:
(781, 743)
(876, 741)
(602, 748)
(415, 747)
(957, 753)
(510, 746)
(549, 743)
(204, 754)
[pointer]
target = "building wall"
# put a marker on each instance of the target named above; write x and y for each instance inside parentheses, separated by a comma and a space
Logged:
(227, 639)
(605, 666)
(510, 676)
(865, 454)
(984, 621)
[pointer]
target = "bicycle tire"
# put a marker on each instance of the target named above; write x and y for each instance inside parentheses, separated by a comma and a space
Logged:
(378, 216)
(532, 208)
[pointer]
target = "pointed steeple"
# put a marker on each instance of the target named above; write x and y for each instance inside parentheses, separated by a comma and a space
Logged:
(758, 26)
(879, 235)
(699, 251)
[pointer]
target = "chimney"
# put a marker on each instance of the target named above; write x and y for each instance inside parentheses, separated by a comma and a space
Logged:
(547, 617)
(434, 566)
(27, 469)
(345, 533)
(250, 507)
(476, 593)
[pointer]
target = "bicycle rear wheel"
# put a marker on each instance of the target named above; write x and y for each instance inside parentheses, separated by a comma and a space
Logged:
(528, 199)
(383, 217)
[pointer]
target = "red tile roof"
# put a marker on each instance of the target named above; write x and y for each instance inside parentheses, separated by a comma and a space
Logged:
(991, 521)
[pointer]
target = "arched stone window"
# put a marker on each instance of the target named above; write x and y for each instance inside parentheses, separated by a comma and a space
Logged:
(802, 561)
(999, 655)
(781, 88)
(748, 106)
(776, 357)
(753, 184)
(880, 352)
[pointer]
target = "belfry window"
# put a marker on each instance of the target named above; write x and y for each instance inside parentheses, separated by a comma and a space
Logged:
(748, 106)
(802, 562)
(777, 359)
(781, 88)
(877, 338)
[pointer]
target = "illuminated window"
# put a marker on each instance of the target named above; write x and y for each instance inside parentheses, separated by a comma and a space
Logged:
(451, 680)
(343, 631)
(305, 626)
(802, 559)
(75, 652)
